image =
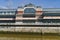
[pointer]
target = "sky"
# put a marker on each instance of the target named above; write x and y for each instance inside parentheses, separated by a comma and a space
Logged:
(42, 3)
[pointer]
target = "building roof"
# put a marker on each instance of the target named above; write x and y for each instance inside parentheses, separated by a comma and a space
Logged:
(29, 5)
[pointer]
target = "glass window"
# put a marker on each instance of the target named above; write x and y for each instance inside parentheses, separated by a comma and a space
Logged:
(7, 21)
(28, 15)
(12, 11)
(50, 20)
(29, 10)
(28, 21)
(1, 12)
(8, 12)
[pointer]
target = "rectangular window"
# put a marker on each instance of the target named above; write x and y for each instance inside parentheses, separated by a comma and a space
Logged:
(28, 15)
(7, 21)
(49, 20)
(7, 16)
(28, 21)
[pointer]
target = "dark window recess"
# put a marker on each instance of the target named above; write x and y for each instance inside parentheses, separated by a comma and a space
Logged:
(7, 21)
(51, 14)
(28, 21)
(18, 20)
(28, 15)
(49, 20)
(7, 16)
(29, 10)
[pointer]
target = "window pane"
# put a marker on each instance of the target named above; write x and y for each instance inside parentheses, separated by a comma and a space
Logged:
(28, 21)
(28, 15)
(29, 10)
(49, 20)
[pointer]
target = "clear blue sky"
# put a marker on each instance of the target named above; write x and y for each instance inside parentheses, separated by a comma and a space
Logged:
(43, 3)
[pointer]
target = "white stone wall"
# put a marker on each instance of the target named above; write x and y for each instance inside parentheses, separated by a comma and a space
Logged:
(32, 29)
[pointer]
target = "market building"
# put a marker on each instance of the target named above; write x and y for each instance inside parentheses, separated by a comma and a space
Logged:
(30, 16)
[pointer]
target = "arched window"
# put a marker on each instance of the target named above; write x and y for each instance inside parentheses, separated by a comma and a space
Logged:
(29, 10)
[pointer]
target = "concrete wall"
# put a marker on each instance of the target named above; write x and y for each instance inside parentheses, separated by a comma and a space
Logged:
(33, 29)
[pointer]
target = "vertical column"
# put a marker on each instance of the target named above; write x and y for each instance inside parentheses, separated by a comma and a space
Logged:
(38, 13)
(19, 16)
